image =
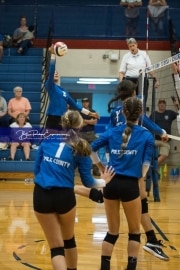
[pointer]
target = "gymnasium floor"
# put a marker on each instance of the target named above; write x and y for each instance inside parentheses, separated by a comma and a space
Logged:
(23, 246)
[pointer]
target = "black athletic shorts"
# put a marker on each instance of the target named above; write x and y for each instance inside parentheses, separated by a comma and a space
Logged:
(53, 122)
(54, 200)
(122, 188)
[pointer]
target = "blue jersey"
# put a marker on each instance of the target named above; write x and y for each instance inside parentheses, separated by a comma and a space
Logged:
(56, 163)
(117, 118)
(59, 98)
(138, 151)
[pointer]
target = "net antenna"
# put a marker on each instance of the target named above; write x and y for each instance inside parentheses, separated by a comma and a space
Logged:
(147, 31)
(141, 91)
(141, 84)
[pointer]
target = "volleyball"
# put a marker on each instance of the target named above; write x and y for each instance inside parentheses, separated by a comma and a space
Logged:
(60, 48)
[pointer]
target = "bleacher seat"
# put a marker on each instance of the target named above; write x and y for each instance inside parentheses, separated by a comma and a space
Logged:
(4, 154)
(101, 19)
(24, 71)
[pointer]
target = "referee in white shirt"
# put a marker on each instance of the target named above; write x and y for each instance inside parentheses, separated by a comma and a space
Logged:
(132, 63)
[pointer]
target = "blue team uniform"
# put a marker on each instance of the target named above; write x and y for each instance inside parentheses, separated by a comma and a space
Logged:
(117, 118)
(58, 96)
(56, 163)
(138, 150)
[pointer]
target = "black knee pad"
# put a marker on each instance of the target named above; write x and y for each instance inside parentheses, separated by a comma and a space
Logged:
(57, 251)
(144, 206)
(134, 237)
(71, 243)
(111, 238)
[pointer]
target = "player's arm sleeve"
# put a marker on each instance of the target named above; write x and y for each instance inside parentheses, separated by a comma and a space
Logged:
(76, 106)
(38, 160)
(148, 152)
(50, 79)
(151, 125)
(101, 141)
(95, 158)
(84, 167)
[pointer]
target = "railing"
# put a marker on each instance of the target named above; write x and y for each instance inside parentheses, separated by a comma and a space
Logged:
(82, 21)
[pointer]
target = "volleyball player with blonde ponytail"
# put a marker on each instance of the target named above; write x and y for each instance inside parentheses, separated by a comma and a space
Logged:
(53, 197)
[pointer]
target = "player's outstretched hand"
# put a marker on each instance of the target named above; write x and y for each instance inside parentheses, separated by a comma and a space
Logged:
(51, 49)
(164, 138)
(108, 174)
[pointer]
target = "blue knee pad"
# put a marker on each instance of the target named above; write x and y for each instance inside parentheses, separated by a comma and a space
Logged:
(57, 251)
(144, 206)
(111, 238)
(134, 237)
(71, 243)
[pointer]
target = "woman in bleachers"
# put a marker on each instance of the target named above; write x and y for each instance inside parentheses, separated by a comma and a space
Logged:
(19, 136)
(18, 104)
(23, 36)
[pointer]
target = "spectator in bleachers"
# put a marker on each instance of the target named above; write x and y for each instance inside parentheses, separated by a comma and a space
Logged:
(17, 140)
(157, 10)
(163, 118)
(132, 12)
(23, 36)
(3, 111)
(88, 129)
(18, 104)
(1, 48)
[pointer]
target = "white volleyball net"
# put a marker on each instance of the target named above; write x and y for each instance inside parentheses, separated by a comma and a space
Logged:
(169, 91)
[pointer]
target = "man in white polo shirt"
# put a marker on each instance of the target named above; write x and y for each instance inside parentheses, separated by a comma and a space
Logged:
(132, 63)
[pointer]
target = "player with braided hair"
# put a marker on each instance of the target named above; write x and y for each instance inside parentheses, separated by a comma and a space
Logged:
(131, 148)
(126, 89)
